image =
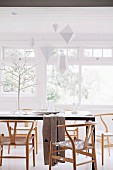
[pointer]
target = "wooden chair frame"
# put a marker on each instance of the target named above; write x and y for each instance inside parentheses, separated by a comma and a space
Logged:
(73, 131)
(26, 128)
(89, 137)
(104, 137)
(13, 138)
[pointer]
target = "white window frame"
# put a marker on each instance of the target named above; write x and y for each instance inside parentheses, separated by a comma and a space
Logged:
(8, 62)
(95, 59)
(81, 61)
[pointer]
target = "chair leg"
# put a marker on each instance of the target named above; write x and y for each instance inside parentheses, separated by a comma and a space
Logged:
(74, 159)
(36, 139)
(94, 152)
(108, 145)
(94, 158)
(9, 149)
(33, 145)
(102, 149)
(27, 156)
(1, 154)
(50, 156)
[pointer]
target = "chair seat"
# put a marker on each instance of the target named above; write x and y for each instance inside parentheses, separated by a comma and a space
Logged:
(78, 143)
(18, 140)
(99, 133)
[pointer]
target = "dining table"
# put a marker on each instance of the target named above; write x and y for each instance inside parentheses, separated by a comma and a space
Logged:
(38, 115)
(41, 114)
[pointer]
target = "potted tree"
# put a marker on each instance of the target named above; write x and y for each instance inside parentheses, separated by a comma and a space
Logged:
(17, 78)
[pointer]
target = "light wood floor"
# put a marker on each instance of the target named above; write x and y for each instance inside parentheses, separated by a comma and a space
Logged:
(19, 164)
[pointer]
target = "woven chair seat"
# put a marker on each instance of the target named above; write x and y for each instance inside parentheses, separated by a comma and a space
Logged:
(18, 140)
(99, 133)
(79, 144)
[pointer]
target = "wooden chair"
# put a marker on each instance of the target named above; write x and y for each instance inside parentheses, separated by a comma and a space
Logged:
(16, 140)
(103, 136)
(76, 145)
(26, 128)
(73, 131)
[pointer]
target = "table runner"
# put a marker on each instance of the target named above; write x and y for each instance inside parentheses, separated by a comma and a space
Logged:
(52, 133)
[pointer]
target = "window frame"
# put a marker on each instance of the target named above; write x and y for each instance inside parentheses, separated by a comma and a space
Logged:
(94, 58)
(82, 61)
(8, 61)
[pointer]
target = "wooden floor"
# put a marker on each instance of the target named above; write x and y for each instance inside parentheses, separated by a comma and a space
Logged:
(19, 164)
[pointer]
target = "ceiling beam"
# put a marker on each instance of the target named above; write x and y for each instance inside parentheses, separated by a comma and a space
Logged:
(56, 3)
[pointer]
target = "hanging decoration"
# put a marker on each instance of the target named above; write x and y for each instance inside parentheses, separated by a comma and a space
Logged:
(55, 27)
(32, 42)
(66, 33)
(47, 52)
(62, 63)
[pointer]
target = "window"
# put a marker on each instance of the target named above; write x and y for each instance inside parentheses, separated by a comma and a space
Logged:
(18, 53)
(18, 72)
(68, 52)
(84, 82)
(107, 53)
(62, 89)
(98, 81)
(88, 52)
(96, 52)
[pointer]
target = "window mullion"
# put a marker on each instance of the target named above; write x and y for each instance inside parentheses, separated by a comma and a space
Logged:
(80, 79)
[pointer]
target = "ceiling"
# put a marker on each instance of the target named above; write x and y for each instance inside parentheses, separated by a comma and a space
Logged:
(82, 20)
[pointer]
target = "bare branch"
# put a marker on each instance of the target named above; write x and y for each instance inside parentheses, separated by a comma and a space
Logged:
(10, 83)
(14, 79)
(29, 69)
(10, 72)
(32, 85)
(26, 80)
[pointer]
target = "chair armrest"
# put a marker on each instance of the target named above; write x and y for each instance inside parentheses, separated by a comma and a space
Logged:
(103, 114)
(78, 125)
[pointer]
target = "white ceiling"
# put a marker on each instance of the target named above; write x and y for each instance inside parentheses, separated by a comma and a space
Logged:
(41, 19)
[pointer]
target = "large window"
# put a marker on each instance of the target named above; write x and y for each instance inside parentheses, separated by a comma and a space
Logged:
(98, 81)
(18, 71)
(83, 82)
(62, 88)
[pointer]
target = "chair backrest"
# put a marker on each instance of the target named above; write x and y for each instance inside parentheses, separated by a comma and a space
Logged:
(103, 117)
(12, 124)
(89, 136)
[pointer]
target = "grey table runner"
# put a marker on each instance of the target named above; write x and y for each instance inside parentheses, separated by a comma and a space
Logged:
(52, 133)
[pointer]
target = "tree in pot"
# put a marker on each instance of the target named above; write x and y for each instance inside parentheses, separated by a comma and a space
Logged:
(17, 78)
